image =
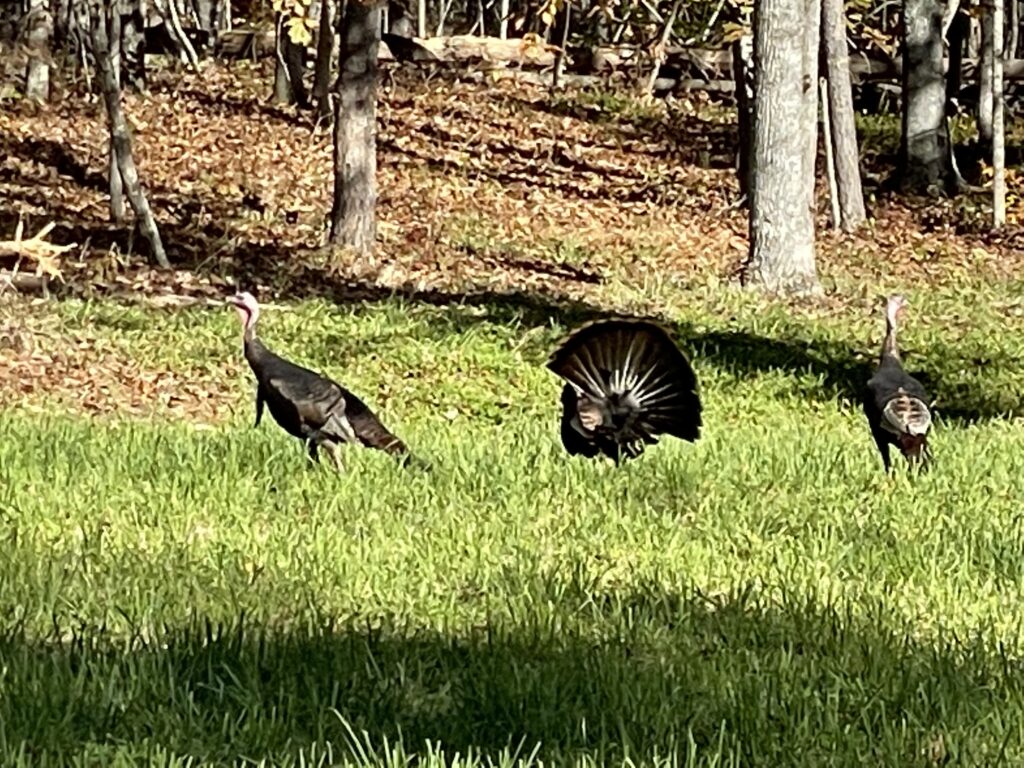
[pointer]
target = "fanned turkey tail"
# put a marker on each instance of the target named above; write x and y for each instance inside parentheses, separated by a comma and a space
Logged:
(631, 383)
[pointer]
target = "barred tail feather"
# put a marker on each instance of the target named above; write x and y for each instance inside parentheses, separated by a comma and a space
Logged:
(637, 359)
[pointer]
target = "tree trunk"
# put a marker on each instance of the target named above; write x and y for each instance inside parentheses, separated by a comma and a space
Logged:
(421, 18)
(842, 125)
(324, 56)
(353, 213)
(998, 137)
(781, 222)
(985, 84)
(133, 48)
(809, 102)
(39, 26)
(559, 68)
(926, 159)
(289, 87)
(743, 72)
(104, 45)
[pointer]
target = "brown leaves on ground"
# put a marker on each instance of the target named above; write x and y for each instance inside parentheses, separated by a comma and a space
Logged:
(483, 187)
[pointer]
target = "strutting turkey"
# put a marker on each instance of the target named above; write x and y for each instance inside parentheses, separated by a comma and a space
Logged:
(896, 403)
(318, 411)
(628, 382)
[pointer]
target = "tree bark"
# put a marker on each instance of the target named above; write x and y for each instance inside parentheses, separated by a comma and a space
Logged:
(782, 258)
(743, 72)
(998, 136)
(133, 47)
(985, 84)
(421, 18)
(926, 159)
(843, 128)
(39, 23)
(104, 44)
(809, 101)
(353, 221)
(324, 56)
(289, 87)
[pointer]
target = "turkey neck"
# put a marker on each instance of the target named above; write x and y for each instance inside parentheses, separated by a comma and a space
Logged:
(890, 350)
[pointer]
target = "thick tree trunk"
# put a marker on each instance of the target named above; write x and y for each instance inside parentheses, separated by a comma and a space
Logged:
(353, 214)
(39, 34)
(998, 136)
(842, 125)
(104, 45)
(324, 56)
(926, 159)
(781, 222)
(985, 84)
(743, 72)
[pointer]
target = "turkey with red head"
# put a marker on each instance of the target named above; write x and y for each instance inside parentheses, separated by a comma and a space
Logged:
(311, 407)
(895, 403)
(628, 383)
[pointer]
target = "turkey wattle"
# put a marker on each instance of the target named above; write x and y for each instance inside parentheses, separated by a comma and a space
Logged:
(312, 407)
(895, 403)
(628, 383)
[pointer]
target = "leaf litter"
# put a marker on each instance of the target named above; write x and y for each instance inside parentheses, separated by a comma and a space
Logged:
(497, 187)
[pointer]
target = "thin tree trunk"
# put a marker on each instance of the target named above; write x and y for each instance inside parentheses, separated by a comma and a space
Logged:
(104, 45)
(782, 258)
(998, 137)
(289, 87)
(743, 72)
(421, 18)
(133, 48)
(559, 67)
(809, 86)
(956, 37)
(503, 12)
(353, 221)
(843, 127)
(985, 84)
(926, 158)
(659, 49)
(1014, 31)
(324, 51)
(38, 41)
(830, 165)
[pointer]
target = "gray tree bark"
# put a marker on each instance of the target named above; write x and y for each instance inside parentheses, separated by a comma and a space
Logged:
(809, 101)
(39, 25)
(926, 158)
(782, 258)
(353, 215)
(842, 125)
(105, 41)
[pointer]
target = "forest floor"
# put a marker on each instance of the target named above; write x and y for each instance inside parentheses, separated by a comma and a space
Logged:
(179, 588)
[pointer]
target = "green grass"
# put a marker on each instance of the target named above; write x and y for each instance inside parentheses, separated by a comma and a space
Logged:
(183, 594)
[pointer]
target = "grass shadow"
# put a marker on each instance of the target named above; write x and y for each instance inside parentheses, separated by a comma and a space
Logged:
(641, 675)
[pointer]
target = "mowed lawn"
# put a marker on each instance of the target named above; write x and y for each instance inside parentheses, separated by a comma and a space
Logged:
(183, 589)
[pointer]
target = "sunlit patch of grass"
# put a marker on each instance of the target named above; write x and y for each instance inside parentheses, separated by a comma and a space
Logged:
(183, 593)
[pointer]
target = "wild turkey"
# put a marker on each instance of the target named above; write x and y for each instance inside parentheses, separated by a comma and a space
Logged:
(318, 411)
(628, 382)
(895, 403)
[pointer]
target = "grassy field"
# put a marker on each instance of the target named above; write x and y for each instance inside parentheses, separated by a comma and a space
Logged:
(185, 590)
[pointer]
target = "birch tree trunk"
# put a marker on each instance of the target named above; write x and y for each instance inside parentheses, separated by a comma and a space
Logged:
(926, 159)
(782, 258)
(421, 18)
(998, 136)
(104, 44)
(842, 125)
(353, 215)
